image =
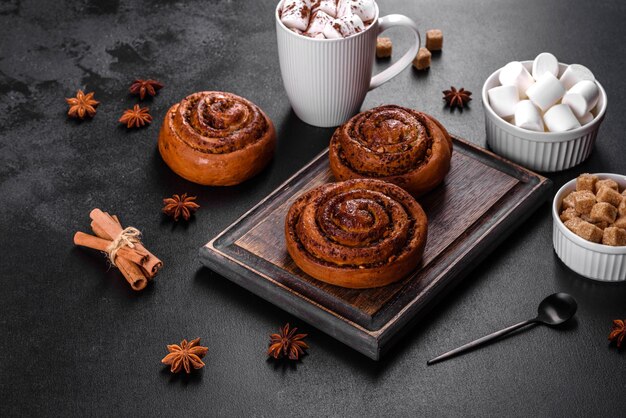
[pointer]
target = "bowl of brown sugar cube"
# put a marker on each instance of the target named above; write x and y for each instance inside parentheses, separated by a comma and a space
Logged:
(543, 114)
(589, 226)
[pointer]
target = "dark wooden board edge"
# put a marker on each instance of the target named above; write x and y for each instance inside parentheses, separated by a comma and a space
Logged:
(374, 343)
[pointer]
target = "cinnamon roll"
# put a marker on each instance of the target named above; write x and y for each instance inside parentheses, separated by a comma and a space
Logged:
(402, 146)
(216, 139)
(359, 233)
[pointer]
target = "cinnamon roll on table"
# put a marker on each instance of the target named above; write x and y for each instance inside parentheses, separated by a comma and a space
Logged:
(359, 233)
(216, 138)
(402, 146)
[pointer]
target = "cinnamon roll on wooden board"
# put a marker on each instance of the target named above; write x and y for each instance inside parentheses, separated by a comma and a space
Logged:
(216, 138)
(392, 143)
(359, 233)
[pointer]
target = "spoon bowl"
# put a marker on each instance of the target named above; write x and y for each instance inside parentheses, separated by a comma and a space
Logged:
(556, 309)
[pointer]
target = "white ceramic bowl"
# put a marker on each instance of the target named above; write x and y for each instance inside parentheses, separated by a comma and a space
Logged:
(541, 151)
(594, 261)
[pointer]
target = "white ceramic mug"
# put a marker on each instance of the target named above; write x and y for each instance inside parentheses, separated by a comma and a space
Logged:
(327, 79)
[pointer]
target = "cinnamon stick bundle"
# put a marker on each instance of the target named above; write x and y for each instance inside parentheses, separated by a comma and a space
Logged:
(122, 246)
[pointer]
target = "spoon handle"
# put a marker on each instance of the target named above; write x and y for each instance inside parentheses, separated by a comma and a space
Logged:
(480, 341)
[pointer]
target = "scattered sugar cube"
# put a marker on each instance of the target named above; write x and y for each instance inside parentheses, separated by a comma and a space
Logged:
(422, 59)
(568, 214)
(606, 194)
(586, 181)
(584, 201)
(383, 47)
(611, 184)
(620, 222)
(614, 236)
(434, 40)
(603, 212)
(588, 231)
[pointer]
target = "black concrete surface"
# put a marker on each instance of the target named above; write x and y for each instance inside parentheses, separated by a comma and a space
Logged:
(75, 340)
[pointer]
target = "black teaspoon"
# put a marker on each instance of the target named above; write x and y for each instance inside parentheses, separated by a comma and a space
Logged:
(553, 310)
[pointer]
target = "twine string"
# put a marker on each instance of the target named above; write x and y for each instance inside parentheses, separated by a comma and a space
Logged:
(127, 238)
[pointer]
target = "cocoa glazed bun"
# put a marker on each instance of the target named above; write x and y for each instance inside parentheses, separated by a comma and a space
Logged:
(358, 233)
(402, 146)
(216, 138)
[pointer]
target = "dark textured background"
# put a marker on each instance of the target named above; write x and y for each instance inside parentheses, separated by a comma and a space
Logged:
(76, 341)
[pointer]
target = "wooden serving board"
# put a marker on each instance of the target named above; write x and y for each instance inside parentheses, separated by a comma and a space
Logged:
(481, 201)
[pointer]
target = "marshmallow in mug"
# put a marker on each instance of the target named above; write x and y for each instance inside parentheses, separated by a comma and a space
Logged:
(582, 97)
(560, 118)
(295, 14)
(365, 9)
(343, 27)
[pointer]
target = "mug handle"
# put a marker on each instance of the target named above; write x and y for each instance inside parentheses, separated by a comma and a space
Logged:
(385, 23)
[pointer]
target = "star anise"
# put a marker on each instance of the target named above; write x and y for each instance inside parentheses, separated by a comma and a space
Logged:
(618, 332)
(457, 98)
(176, 206)
(136, 117)
(82, 105)
(143, 87)
(287, 343)
(187, 355)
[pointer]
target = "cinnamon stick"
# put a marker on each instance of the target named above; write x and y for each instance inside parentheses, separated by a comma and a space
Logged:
(109, 226)
(101, 244)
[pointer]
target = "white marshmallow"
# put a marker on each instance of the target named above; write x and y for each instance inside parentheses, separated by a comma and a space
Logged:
(575, 73)
(515, 74)
(365, 9)
(343, 27)
(546, 91)
(328, 6)
(586, 118)
(582, 97)
(318, 22)
(527, 116)
(503, 100)
(560, 118)
(295, 14)
(545, 62)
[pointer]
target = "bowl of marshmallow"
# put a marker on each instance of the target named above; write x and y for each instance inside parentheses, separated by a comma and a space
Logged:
(543, 114)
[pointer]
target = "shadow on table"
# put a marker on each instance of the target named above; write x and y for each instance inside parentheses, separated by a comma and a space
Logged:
(182, 378)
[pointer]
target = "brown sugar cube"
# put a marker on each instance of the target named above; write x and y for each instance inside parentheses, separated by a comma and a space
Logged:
(573, 224)
(586, 217)
(434, 40)
(601, 225)
(621, 209)
(614, 236)
(611, 184)
(603, 212)
(569, 201)
(620, 222)
(568, 214)
(606, 194)
(383, 48)
(584, 201)
(422, 59)
(586, 182)
(587, 231)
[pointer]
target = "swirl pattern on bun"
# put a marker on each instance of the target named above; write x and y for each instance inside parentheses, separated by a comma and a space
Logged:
(402, 146)
(359, 233)
(216, 138)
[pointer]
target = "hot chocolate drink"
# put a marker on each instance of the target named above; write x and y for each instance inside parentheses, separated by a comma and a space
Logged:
(327, 19)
